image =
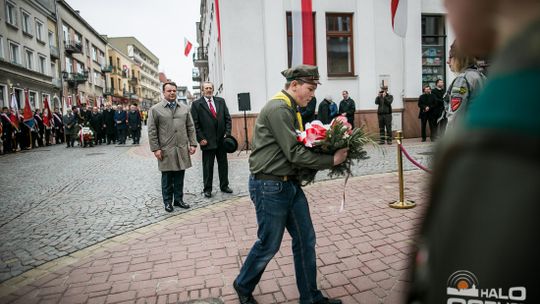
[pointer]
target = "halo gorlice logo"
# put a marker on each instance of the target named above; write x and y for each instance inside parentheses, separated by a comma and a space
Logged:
(463, 288)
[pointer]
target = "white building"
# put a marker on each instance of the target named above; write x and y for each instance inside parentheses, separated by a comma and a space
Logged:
(254, 48)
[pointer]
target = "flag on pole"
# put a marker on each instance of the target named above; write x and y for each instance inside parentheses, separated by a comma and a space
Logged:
(28, 116)
(187, 46)
(399, 17)
(218, 22)
(303, 51)
(14, 117)
(46, 113)
(70, 102)
(79, 101)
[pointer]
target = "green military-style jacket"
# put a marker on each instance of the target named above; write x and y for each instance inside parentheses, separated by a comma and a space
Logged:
(275, 149)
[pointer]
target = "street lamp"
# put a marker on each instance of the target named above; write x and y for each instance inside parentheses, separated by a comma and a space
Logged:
(65, 76)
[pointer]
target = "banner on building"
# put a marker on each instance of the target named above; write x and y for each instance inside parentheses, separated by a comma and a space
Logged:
(303, 51)
(399, 17)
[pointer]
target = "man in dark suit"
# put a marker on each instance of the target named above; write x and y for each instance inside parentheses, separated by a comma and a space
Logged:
(212, 124)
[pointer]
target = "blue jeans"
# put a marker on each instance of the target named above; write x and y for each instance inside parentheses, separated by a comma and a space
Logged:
(172, 183)
(281, 205)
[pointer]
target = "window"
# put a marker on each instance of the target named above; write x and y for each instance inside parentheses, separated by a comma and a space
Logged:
(94, 53)
(339, 44)
(39, 31)
(14, 53)
(2, 56)
(11, 14)
(29, 56)
(433, 49)
(52, 41)
(42, 66)
(80, 67)
(289, 39)
(26, 23)
(87, 47)
(69, 65)
(101, 58)
(33, 100)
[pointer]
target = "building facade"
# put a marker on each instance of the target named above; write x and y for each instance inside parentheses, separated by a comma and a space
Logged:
(82, 58)
(124, 78)
(148, 62)
(28, 57)
(355, 49)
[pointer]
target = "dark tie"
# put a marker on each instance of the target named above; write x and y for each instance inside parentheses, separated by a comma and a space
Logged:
(212, 108)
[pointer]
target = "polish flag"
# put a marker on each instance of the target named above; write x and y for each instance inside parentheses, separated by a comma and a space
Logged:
(70, 101)
(399, 17)
(14, 112)
(303, 51)
(187, 47)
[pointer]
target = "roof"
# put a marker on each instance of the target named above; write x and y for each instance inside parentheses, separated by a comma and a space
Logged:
(134, 41)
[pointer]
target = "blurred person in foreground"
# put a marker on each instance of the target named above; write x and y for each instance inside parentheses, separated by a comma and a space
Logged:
(477, 239)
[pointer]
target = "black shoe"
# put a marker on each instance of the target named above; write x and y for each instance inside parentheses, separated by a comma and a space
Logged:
(207, 194)
(168, 207)
(181, 204)
(423, 139)
(244, 299)
(389, 142)
(325, 300)
(381, 143)
(227, 190)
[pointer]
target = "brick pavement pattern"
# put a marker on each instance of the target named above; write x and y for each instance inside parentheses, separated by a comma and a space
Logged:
(362, 253)
(55, 201)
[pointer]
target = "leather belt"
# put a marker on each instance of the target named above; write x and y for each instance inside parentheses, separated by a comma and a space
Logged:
(278, 178)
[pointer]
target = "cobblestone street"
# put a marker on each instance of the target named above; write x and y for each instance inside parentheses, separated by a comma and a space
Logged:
(55, 201)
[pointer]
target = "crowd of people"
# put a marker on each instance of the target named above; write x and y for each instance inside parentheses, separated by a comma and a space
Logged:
(86, 125)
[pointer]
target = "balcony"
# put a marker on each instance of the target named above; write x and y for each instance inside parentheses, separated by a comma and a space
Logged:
(74, 79)
(106, 69)
(200, 58)
(55, 53)
(72, 47)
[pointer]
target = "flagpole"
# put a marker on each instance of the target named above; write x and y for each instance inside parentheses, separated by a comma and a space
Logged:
(404, 79)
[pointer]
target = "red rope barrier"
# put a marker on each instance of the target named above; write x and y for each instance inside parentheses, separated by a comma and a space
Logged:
(412, 160)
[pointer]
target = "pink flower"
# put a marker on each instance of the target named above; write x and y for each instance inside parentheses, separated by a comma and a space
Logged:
(343, 120)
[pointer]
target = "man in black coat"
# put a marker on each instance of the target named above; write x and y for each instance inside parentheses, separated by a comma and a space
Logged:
(7, 130)
(384, 115)
(427, 106)
(134, 124)
(439, 92)
(325, 113)
(58, 126)
(212, 124)
(108, 124)
(96, 123)
(85, 114)
(347, 107)
(39, 129)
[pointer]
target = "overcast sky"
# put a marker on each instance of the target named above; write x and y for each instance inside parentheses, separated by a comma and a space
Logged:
(160, 25)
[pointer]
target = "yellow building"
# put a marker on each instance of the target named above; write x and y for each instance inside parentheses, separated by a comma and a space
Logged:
(124, 78)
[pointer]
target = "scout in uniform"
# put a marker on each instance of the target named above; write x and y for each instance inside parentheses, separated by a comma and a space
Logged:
(279, 200)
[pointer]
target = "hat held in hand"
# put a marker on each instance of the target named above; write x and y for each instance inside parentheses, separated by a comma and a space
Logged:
(230, 144)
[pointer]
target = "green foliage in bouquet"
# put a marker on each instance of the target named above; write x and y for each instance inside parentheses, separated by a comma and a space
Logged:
(339, 136)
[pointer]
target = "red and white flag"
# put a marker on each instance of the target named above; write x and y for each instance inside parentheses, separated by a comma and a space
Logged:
(70, 101)
(399, 17)
(187, 47)
(47, 118)
(303, 51)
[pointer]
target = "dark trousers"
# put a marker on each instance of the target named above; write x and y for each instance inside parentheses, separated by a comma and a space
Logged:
(111, 136)
(122, 134)
(47, 137)
(70, 139)
(172, 186)
(208, 168)
(279, 206)
(59, 136)
(385, 122)
(7, 143)
(424, 120)
(135, 135)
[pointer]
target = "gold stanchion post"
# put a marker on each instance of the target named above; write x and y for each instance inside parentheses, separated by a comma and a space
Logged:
(401, 203)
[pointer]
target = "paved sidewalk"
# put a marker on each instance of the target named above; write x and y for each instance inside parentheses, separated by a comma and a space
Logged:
(362, 253)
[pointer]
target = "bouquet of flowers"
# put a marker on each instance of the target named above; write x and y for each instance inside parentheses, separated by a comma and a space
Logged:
(86, 135)
(327, 139)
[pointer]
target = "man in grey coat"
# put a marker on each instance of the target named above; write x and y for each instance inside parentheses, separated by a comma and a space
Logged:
(171, 135)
